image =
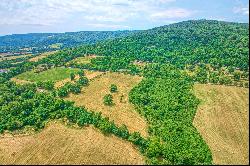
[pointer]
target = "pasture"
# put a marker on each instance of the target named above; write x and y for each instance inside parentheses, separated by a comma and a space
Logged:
(58, 144)
(122, 112)
(54, 74)
(223, 121)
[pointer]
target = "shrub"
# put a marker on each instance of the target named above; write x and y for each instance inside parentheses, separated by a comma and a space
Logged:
(108, 100)
(113, 88)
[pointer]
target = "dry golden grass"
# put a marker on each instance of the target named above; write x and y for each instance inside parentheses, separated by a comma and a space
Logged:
(122, 112)
(43, 55)
(57, 144)
(223, 121)
(13, 57)
(18, 81)
(89, 74)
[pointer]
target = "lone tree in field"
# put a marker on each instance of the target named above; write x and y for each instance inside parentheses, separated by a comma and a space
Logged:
(72, 76)
(108, 100)
(113, 88)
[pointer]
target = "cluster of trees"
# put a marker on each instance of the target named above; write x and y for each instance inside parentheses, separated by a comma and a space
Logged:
(21, 106)
(223, 76)
(74, 87)
(190, 42)
(165, 99)
(109, 64)
(14, 62)
(48, 85)
(108, 99)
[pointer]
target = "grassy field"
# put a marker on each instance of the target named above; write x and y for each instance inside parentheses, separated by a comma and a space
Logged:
(223, 121)
(84, 60)
(58, 144)
(54, 74)
(43, 55)
(122, 112)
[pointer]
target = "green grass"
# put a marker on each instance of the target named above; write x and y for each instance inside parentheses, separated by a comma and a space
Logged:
(56, 45)
(84, 60)
(55, 74)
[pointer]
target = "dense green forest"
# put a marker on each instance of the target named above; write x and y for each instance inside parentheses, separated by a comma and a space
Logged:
(40, 42)
(215, 51)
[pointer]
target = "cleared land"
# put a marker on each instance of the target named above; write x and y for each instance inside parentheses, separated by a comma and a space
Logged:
(223, 121)
(122, 112)
(89, 74)
(84, 60)
(54, 74)
(43, 55)
(2, 57)
(18, 81)
(58, 144)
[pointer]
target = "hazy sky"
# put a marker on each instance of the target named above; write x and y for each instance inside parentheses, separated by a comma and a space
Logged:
(25, 16)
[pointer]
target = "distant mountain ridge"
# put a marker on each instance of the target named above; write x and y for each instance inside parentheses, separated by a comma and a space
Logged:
(43, 41)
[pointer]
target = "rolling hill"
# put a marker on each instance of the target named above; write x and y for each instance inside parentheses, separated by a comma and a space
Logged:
(51, 41)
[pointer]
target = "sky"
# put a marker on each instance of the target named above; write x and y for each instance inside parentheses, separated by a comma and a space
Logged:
(35, 16)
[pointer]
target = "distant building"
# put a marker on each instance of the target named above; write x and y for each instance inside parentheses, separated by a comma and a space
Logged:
(3, 71)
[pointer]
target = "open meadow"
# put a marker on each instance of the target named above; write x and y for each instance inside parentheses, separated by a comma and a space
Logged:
(58, 144)
(122, 112)
(223, 121)
(54, 74)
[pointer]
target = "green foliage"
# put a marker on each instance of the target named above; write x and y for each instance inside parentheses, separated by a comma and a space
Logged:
(72, 76)
(54, 74)
(48, 85)
(165, 99)
(108, 100)
(188, 42)
(83, 81)
(81, 73)
(113, 88)
(21, 106)
(41, 42)
(62, 92)
(237, 76)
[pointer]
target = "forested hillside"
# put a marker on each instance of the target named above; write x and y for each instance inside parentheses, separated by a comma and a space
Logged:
(189, 42)
(51, 41)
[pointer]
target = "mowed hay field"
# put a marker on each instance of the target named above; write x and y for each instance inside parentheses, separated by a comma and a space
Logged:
(223, 121)
(13, 57)
(54, 74)
(122, 112)
(58, 144)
